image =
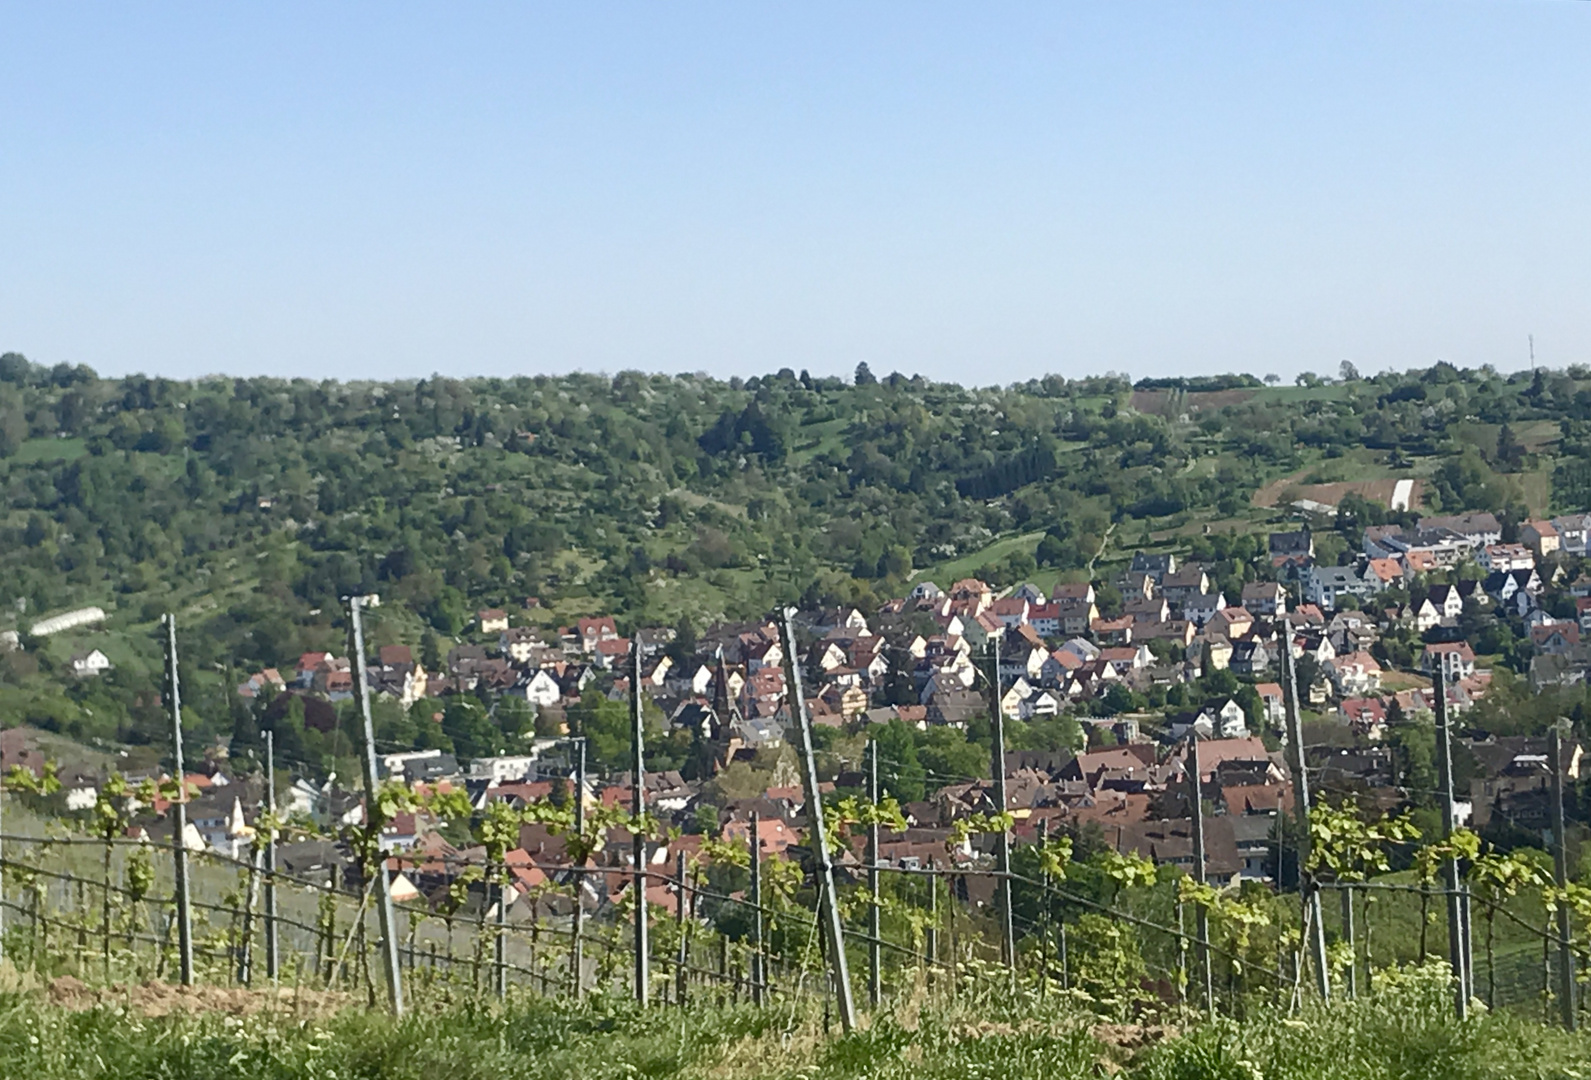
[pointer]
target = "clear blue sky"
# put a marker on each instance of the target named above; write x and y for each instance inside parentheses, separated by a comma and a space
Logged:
(978, 192)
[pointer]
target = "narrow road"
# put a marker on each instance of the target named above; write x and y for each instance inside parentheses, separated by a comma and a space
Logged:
(1103, 540)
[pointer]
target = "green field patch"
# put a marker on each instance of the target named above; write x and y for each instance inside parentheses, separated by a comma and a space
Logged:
(944, 573)
(36, 451)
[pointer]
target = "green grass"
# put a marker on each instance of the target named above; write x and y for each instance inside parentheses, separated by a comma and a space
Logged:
(1405, 1031)
(943, 574)
(824, 437)
(37, 450)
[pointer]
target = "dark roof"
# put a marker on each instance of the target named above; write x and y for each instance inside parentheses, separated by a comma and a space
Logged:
(1297, 542)
(1144, 562)
(1172, 841)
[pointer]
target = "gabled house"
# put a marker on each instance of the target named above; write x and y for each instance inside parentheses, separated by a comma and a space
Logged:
(1503, 586)
(955, 707)
(1045, 619)
(90, 663)
(1147, 609)
(1456, 658)
(1125, 660)
(1117, 631)
(1012, 611)
(1273, 702)
(1427, 614)
(1354, 675)
(1200, 608)
(1156, 567)
(611, 653)
(1323, 585)
(973, 595)
(1505, 558)
(543, 690)
(592, 630)
(1073, 590)
(492, 620)
(1023, 660)
(1184, 584)
(1366, 715)
(827, 655)
(1232, 622)
(1479, 528)
(1291, 549)
(1220, 719)
(1383, 574)
(257, 684)
(1212, 652)
(1572, 530)
(1449, 601)
(1553, 638)
(519, 643)
(1250, 658)
(1180, 632)
(1076, 616)
(1266, 598)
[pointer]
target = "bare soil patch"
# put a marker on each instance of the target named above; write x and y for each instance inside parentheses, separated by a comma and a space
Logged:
(1377, 491)
(1132, 1036)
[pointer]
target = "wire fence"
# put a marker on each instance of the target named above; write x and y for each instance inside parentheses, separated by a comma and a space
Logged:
(105, 912)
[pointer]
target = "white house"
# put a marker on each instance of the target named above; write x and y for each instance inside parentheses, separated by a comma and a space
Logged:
(1200, 608)
(1505, 558)
(1428, 614)
(1265, 598)
(501, 770)
(542, 690)
(1274, 702)
(1456, 658)
(1355, 674)
(1324, 584)
(92, 662)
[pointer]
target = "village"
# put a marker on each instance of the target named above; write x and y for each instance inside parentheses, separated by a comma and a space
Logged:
(1137, 664)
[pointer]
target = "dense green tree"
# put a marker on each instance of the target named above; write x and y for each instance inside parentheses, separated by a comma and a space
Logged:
(899, 772)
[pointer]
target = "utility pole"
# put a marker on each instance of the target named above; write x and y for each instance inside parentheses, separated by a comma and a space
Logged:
(828, 895)
(1201, 914)
(500, 936)
(1351, 984)
(931, 937)
(758, 956)
(577, 946)
(2, 862)
(1309, 896)
(1455, 914)
(643, 959)
(389, 933)
(679, 924)
(1002, 843)
(272, 953)
(1044, 910)
(179, 848)
(875, 986)
(1560, 876)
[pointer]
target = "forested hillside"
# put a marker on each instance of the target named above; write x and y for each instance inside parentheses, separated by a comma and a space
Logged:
(250, 505)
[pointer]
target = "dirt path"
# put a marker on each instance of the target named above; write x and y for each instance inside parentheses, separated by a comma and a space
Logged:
(1103, 541)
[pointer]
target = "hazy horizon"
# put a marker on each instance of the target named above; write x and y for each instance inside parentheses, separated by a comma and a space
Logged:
(980, 197)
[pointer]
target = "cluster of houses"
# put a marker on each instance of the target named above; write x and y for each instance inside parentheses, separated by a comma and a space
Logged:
(929, 659)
